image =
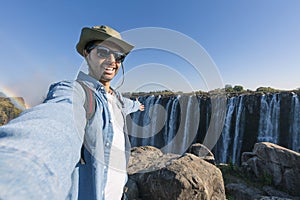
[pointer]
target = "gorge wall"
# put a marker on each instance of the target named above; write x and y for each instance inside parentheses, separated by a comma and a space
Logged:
(235, 122)
(8, 110)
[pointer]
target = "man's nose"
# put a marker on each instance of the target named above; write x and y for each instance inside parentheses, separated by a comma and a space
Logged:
(111, 58)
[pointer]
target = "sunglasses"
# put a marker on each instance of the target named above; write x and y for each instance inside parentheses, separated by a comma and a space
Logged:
(104, 52)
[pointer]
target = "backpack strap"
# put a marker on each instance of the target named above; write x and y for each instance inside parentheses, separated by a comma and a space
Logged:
(90, 102)
(90, 107)
(119, 97)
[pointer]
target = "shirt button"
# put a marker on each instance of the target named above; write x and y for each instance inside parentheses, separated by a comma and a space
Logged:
(107, 144)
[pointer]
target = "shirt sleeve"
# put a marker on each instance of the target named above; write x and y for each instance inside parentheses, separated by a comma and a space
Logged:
(40, 148)
(130, 105)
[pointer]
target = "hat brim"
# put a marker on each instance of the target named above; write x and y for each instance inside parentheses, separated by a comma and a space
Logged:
(88, 35)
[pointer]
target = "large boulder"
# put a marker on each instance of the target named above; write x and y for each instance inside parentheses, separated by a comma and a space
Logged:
(154, 175)
(280, 165)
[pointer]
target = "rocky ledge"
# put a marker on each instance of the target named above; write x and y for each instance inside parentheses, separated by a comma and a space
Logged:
(154, 175)
(269, 172)
(8, 110)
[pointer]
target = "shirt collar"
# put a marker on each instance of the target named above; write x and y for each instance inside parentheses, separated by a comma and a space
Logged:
(89, 80)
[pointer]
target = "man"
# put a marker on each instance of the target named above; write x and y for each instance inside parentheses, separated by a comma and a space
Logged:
(40, 150)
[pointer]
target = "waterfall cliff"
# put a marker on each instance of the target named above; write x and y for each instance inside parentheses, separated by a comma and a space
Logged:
(229, 126)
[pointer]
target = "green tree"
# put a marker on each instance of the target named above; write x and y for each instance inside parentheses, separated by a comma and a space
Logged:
(228, 88)
(238, 88)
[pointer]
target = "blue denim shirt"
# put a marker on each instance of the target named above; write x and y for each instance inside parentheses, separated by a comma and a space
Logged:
(40, 150)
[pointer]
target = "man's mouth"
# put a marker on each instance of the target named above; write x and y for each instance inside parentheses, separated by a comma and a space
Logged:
(110, 70)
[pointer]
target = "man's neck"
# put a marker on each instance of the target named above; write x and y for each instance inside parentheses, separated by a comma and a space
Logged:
(106, 86)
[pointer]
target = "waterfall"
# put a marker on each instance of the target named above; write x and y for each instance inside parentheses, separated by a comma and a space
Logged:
(156, 123)
(169, 110)
(218, 105)
(226, 139)
(185, 113)
(187, 123)
(134, 125)
(269, 119)
(146, 132)
(172, 123)
(295, 123)
(238, 130)
(191, 122)
(156, 126)
(140, 123)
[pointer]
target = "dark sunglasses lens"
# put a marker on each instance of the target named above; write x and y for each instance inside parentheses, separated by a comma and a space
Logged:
(120, 57)
(103, 52)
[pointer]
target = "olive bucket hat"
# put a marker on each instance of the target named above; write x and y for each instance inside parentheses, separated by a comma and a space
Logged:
(101, 33)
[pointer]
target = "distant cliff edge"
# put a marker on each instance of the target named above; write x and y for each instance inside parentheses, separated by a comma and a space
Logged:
(8, 110)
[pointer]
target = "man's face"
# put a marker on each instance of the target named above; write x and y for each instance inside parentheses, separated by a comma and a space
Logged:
(103, 68)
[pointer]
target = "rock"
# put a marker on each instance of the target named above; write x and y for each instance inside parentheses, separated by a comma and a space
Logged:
(144, 159)
(243, 191)
(203, 152)
(8, 110)
(272, 192)
(275, 164)
(131, 189)
(273, 198)
(147, 158)
(276, 154)
(171, 176)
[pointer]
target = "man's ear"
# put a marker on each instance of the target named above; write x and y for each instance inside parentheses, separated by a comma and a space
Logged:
(85, 53)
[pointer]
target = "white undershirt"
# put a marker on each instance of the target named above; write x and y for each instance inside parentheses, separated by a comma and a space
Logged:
(117, 174)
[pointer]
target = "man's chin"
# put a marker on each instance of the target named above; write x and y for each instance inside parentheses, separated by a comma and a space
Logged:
(106, 78)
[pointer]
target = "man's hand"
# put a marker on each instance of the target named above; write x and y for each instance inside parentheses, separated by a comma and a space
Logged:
(142, 107)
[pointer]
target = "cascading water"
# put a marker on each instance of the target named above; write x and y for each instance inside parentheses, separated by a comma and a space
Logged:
(269, 119)
(218, 105)
(182, 124)
(140, 130)
(226, 139)
(238, 130)
(190, 118)
(155, 115)
(169, 108)
(146, 131)
(186, 116)
(172, 123)
(295, 123)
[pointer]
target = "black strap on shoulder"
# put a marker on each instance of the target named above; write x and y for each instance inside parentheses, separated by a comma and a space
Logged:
(90, 102)
(89, 106)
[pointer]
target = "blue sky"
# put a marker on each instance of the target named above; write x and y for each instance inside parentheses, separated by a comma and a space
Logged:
(252, 43)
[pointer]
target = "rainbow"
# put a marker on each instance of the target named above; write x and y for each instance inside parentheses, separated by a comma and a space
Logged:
(17, 101)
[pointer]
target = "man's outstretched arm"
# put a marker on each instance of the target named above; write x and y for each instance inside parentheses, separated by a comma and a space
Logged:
(40, 148)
